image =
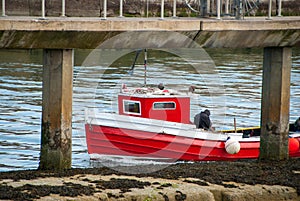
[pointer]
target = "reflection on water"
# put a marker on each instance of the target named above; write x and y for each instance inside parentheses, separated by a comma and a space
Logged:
(229, 89)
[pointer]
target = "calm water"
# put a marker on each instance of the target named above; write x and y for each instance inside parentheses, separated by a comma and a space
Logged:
(229, 88)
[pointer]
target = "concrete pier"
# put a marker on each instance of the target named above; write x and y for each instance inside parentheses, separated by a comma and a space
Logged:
(56, 142)
(89, 33)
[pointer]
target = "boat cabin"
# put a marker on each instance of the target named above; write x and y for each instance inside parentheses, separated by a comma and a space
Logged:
(155, 104)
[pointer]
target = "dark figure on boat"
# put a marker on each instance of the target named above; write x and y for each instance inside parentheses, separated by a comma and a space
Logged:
(297, 125)
(161, 86)
(202, 120)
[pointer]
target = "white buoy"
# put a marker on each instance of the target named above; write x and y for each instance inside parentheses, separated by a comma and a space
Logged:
(232, 146)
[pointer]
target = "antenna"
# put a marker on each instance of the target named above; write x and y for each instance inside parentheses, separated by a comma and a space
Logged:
(145, 66)
(130, 72)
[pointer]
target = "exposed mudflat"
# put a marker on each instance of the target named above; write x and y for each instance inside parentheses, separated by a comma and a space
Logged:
(286, 173)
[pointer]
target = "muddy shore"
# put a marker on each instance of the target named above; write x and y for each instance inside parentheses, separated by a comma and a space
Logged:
(274, 179)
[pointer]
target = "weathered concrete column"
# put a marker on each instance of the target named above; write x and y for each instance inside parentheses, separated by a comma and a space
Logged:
(275, 103)
(56, 141)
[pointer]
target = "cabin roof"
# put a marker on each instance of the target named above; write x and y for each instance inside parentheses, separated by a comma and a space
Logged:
(145, 92)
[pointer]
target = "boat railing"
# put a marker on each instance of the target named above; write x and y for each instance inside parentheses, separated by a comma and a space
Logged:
(148, 91)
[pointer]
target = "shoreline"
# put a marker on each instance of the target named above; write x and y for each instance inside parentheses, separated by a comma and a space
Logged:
(239, 180)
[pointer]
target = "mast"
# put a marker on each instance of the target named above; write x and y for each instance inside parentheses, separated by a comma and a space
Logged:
(145, 67)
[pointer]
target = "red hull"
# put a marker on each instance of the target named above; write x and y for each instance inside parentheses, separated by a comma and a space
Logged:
(115, 141)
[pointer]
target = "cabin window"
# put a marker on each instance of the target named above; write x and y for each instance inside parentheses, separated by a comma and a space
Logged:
(132, 107)
(164, 106)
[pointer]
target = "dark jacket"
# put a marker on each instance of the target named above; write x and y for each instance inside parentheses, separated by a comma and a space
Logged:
(202, 120)
(297, 124)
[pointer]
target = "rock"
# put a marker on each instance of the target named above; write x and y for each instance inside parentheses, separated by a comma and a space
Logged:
(118, 187)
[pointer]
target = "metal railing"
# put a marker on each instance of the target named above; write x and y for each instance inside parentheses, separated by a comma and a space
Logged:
(218, 8)
(3, 8)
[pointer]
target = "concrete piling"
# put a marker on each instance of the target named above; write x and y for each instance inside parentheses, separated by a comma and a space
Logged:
(275, 103)
(56, 141)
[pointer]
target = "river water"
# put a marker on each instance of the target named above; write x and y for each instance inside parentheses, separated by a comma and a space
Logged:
(230, 87)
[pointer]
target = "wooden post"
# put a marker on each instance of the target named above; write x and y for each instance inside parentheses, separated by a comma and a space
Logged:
(56, 141)
(275, 103)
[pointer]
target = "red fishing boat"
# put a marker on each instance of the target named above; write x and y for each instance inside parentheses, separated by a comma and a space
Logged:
(153, 122)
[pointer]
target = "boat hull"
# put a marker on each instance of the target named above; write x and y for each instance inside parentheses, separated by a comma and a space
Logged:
(127, 142)
(146, 138)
